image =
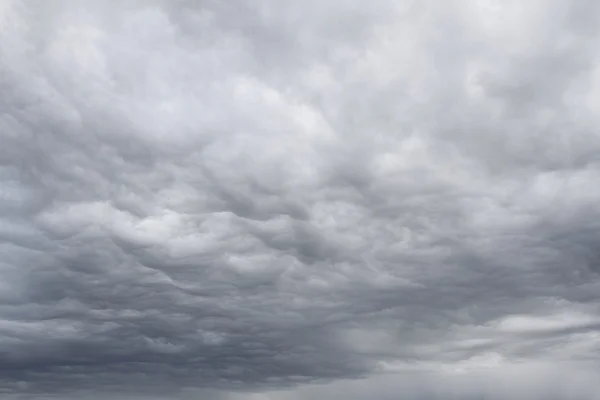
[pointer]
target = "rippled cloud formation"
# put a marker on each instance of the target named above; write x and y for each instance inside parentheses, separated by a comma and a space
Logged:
(291, 200)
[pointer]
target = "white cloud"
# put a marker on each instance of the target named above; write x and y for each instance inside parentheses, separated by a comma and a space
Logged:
(237, 198)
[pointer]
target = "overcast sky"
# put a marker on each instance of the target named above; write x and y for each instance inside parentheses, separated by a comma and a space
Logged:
(300, 199)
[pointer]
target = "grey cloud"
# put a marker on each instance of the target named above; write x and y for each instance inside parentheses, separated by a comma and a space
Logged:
(298, 199)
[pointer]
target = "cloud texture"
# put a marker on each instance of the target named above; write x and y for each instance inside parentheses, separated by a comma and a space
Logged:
(244, 200)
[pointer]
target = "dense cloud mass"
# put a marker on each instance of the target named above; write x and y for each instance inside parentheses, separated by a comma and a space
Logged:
(299, 199)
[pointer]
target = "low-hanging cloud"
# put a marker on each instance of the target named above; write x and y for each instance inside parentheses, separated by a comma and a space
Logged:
(246, 199)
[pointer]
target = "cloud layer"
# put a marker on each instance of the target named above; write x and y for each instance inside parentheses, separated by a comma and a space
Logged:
(225, 196)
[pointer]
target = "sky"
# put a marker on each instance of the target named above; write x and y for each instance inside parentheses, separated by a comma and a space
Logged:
(300, 199)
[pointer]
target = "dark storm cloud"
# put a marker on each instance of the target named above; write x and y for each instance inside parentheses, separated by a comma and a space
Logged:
(200, 198)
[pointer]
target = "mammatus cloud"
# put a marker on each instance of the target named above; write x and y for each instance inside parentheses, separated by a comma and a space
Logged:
(300, 199)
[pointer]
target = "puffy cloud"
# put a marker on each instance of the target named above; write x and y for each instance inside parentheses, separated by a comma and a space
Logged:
(251, 199)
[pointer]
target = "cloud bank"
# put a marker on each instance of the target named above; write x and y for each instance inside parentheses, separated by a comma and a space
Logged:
(299, 199)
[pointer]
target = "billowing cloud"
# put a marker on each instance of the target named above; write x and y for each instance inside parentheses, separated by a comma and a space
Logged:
(299, 199)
